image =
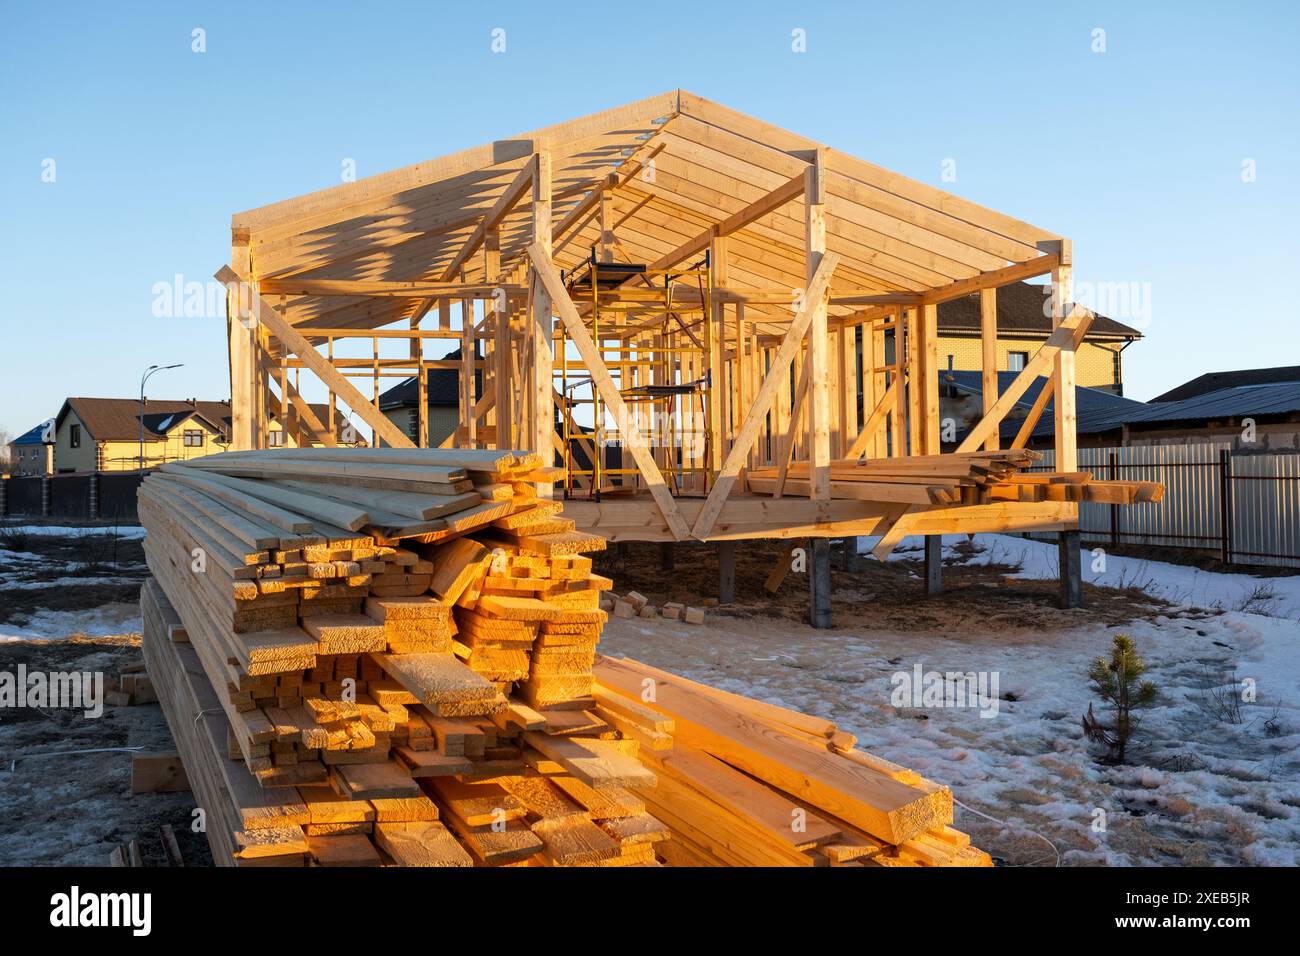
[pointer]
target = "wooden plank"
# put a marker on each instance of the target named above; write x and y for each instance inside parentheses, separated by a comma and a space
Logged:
(882, 807)
(158, 772)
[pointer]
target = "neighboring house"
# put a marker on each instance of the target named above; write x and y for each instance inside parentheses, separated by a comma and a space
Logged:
(1214, 381)
(32, 452)
(1253, 418)
(400, 404)
(1100, 413)
(103, 434)
(1023, 325)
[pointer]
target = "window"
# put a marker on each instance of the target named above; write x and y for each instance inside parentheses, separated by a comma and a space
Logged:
(1016, 361)
(275, 438)
(193, 438)
(74, 436)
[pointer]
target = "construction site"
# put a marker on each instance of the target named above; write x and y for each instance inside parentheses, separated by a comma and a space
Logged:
(671, 592)
(676, 324)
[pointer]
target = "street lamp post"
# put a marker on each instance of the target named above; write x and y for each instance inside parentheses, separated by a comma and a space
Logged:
(144, 378)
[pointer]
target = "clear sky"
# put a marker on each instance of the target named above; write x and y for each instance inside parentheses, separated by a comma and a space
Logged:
(1167, 148)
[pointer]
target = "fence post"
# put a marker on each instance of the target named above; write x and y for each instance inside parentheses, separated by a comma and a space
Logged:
(1114, 509)
(45, 496)
(1225, 506)
(94, 496)
(4, 495)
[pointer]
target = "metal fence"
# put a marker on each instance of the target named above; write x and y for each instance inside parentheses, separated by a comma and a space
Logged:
(1245, 508)
(94, 496)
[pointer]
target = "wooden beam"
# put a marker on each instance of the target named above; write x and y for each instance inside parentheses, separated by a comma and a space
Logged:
(928, 386)
(380, 288)
(500, 209)
(549, 278)
(989, 356)
(324, 435)
(268, 317)
(240, 336)
(541, 323)
(777, 376)
(1063, 375)
(767, 203)
(819, 401)
(716, 333)
(1078, 318)
(1016, 272)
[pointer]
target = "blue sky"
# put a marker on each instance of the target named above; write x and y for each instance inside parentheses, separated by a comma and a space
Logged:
(1135, 153)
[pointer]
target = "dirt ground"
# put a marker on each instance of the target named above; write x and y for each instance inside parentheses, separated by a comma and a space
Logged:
(978, 599)
(71, 810)
(27, 560)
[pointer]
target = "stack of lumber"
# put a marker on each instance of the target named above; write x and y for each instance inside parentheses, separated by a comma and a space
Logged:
(345, 689)
(360, 675)
(745, 783)
(954, 479)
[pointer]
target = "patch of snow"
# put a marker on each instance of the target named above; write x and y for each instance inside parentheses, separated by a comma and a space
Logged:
(110, 620)
(66, 531)
(1200, 786)
(1178, 584)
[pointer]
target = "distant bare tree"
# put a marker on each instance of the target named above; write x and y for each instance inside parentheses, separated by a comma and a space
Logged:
(5, 439)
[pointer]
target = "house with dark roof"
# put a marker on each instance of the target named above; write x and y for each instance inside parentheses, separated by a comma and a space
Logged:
(1100, 412)
(1024, 323)
(1255, 418)
(106, 434)
(32, 452)
(401, 403)
(1214, 381)
(1252, 418)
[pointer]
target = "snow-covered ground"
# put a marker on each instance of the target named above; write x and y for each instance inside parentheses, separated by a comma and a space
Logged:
(27, 571)
(67, 531)
(1175, 583)
(1203, 784)
(109, 620)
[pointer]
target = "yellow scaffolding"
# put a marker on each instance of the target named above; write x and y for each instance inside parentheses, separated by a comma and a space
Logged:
(612, 307)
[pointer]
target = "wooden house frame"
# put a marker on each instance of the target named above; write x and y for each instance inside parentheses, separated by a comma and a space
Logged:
(813, 328)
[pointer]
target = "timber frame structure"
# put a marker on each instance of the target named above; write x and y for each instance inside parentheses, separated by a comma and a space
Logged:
(805, 333)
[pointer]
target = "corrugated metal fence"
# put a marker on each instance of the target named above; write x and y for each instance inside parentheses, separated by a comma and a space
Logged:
(1245, 507)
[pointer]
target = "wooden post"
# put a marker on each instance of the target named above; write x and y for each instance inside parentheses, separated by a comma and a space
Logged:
(542, 328)
(819, 404)
(495, 367)
(716, 333)
(933, 563)
(468, 396)
(819, 583)
(238, 321)
(1071, 565)
(1063, 400)
(726, 572)
(929, 384)
(989, 356)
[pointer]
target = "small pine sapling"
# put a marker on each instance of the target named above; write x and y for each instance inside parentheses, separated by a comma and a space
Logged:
(1117, 681)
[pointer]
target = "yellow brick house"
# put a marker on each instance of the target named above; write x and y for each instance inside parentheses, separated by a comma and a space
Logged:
(1023, 325)
(103, 434)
